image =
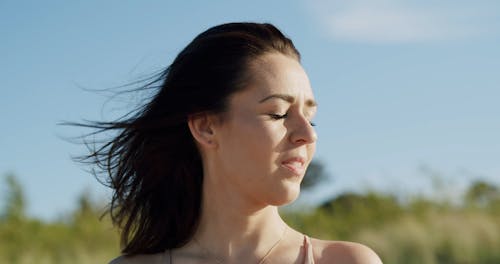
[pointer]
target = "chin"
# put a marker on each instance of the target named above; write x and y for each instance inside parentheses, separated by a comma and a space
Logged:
(288, 195)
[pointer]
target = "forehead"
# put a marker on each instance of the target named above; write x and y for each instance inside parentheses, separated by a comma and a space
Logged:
(278, 74)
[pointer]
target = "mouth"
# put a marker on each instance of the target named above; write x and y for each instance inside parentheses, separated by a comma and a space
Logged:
(296, 165)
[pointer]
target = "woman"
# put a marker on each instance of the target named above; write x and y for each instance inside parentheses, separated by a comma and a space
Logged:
(198, 173)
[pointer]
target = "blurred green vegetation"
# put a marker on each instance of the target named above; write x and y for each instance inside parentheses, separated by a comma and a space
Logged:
(78, 237)
(418, 230)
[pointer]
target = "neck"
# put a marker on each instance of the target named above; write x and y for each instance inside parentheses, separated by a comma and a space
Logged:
(233, 228)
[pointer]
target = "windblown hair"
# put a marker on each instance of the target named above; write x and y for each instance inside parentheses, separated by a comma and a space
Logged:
(153, 164)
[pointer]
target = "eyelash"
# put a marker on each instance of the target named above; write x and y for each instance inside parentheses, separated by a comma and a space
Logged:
(278, 117)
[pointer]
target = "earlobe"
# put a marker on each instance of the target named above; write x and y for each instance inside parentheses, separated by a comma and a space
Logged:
(201, 127)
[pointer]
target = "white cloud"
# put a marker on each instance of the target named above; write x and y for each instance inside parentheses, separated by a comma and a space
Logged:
(390, 21)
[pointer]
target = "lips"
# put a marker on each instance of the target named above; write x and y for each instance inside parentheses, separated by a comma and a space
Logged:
(295, 165)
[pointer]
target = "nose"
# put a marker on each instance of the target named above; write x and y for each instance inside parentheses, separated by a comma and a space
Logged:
(303, 132)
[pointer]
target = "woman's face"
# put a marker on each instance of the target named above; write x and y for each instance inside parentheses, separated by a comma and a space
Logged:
(266, 140)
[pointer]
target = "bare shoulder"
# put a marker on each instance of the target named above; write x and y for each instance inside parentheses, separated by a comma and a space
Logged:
(343, 252)
(140, 259)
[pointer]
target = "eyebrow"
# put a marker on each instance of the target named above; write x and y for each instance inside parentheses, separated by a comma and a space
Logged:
(288, 98)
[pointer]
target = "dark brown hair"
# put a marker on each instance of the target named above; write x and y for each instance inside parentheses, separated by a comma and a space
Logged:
(153, 164)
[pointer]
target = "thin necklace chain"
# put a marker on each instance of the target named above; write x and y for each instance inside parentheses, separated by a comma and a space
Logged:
(207, 253)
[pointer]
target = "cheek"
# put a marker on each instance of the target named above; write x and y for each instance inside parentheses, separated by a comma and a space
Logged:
(257, 141)
(251, 146)
(311, 148)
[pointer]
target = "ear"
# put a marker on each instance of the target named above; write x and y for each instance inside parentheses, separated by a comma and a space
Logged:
(201, 126)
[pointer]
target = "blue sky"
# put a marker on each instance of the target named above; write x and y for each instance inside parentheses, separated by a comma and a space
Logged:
(406, 89)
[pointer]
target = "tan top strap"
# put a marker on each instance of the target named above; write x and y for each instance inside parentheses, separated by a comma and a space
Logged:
(308, 250)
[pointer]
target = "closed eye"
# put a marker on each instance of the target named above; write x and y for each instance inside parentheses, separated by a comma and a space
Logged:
(278, 116)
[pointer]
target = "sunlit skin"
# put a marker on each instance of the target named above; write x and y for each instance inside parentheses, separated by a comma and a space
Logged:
(254, 158)
(264, 143)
